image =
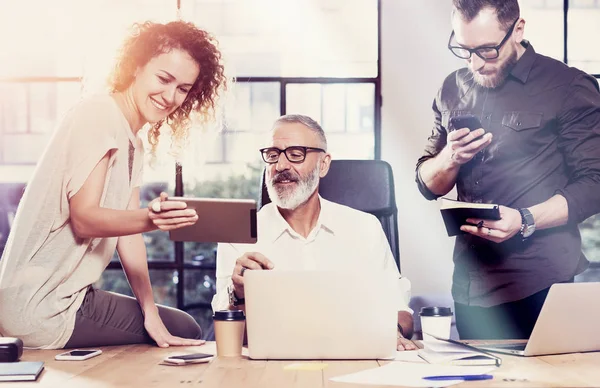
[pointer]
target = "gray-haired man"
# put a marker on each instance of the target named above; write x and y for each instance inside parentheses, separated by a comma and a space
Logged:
(300, 230)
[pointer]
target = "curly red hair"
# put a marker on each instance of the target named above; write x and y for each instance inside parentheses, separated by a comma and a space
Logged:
(151, 39)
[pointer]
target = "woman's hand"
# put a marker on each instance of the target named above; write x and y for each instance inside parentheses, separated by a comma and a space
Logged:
(168, 215)
(405, 344)
(159, 333)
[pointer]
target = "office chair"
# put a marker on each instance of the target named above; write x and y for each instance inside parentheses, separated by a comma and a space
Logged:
(10, 195)
(366, 185)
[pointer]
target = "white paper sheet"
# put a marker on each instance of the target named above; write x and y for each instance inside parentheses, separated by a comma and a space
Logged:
(409, 356)
(411, 374)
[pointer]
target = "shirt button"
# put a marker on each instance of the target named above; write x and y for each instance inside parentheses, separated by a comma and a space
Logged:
(476, 182)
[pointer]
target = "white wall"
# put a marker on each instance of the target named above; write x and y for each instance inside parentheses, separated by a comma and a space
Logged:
(415, 61)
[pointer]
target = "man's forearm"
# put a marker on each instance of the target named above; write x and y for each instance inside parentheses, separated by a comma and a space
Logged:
(439, 173)
(132, 252)
(405, 320)
(551, 213)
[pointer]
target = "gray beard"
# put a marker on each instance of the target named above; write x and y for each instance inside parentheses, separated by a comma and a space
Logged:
(299, 195)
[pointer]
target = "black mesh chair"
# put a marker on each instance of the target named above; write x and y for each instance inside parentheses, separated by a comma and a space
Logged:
(366, 185)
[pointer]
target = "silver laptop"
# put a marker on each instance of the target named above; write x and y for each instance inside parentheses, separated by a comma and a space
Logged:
(320, 315)
(568, 323)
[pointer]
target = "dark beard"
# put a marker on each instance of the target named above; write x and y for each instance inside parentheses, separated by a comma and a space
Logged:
(502, 74)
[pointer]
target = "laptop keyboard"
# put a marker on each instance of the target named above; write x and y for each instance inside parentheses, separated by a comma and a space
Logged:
(507, 346)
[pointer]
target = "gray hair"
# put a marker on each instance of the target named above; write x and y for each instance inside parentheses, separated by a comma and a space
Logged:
(307, 122)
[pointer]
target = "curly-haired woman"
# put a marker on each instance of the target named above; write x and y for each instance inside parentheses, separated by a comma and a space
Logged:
(83, 202)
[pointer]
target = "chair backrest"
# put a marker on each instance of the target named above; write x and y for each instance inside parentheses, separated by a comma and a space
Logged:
(366, 185)
(10, 195)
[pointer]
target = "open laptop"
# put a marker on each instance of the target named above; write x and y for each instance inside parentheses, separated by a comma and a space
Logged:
(320, 315)
(568, 323)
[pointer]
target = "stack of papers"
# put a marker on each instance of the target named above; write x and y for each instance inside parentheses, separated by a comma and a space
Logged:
(455, 353)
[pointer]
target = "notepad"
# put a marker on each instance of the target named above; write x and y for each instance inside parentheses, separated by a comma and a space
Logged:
(456, 358)
(451, 352)
(20, 371)
(455, 213)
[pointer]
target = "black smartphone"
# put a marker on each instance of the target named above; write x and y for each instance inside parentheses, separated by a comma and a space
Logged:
(78, 355)
(466, 121)
(189, 357)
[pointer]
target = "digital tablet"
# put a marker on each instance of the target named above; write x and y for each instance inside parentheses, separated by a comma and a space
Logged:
(219, 220)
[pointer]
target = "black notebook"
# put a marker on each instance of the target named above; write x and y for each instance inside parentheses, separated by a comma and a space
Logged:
(455, 213)
(20, 371)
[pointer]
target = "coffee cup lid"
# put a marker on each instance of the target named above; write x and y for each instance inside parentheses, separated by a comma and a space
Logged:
(435, 312)
(229, 315)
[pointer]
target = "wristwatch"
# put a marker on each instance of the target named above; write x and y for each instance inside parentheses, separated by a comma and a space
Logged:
(527, 223)
(233, 299)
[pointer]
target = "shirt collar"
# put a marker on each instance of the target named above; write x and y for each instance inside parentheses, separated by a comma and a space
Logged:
(524, 65)
(278, 225)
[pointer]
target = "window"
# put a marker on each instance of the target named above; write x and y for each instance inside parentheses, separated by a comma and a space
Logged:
(292, 56)
(346, 112)
(583, 23)
(292, 38)
(312, 57)
(562, 30)
(544, 26)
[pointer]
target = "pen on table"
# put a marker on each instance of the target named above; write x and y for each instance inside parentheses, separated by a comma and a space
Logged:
(460, 377)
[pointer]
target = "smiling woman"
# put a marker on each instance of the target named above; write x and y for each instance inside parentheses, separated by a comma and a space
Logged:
(83, 201)
(169, 70)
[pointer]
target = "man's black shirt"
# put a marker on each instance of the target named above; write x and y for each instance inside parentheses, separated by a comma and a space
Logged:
(545, 121)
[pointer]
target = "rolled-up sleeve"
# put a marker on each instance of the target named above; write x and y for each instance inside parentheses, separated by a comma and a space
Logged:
(381, 250)
(579, 142)
(435, 143)
(227, 254)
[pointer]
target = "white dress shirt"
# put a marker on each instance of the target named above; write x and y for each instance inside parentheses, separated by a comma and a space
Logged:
(342, 239)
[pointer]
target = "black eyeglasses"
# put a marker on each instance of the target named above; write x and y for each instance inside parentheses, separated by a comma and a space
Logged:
(484, 52)
(295, 154)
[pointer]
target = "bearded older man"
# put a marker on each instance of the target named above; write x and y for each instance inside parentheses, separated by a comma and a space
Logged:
(300, 230)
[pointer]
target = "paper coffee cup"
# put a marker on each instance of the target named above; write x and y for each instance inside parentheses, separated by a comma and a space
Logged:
(229, 332)
(436, 321)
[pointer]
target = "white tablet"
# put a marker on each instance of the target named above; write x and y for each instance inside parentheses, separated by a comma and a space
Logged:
(219, 220)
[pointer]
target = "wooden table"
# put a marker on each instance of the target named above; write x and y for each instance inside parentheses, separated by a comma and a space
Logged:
(139, 366)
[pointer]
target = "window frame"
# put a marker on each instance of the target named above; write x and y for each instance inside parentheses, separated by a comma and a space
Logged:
(566, 7)
(178, 264)
(29, 81)
(566, 61)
